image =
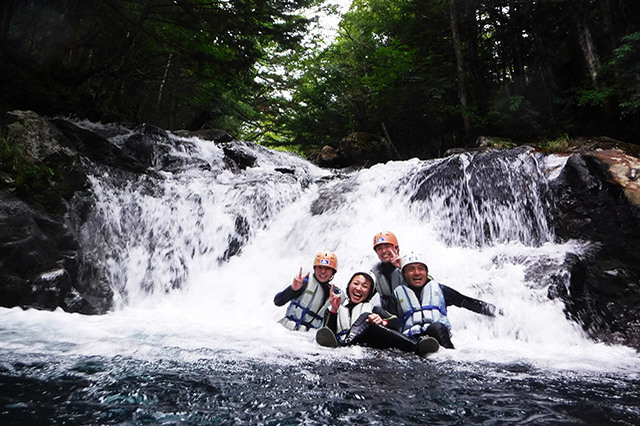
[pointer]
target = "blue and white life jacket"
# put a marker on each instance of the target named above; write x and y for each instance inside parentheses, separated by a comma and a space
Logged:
(346, 319)
(385, 288)
(307, 310)
(417, 315)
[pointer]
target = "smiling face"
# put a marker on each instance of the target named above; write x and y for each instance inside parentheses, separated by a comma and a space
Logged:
(359, 289)
(323, 273)
(415, 274)
(386, 252)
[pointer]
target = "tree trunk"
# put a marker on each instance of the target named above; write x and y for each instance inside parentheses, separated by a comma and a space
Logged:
(588, 47)
(457, 45)
(162, 83)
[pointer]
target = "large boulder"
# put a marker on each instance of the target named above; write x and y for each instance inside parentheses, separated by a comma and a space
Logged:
(46, 168)
(38, 260)
(596, 199)
(362, 149)
(358, 149)
(39, 250)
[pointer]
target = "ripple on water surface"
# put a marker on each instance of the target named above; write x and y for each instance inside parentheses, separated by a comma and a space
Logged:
(380, 388)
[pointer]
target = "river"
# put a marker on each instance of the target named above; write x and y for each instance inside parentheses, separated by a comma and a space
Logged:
(195, 254)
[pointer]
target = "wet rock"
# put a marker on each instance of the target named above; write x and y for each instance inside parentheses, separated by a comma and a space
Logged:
(330, 199)
(37, 138)
(38, 259)
(146, 152)
(236, 158)
(494, 142)
(285, 170)
(592, 204)
(326, 157)
(238, 240)
(623, 170)
(97, 148)
(47, 167)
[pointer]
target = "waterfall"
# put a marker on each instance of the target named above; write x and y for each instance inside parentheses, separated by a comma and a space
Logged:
(196, 242)
(196, 248)
(201, 248)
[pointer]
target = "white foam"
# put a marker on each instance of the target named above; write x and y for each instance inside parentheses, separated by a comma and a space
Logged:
(226, 310)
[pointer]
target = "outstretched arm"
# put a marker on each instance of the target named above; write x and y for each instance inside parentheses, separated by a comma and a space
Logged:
(455, 298)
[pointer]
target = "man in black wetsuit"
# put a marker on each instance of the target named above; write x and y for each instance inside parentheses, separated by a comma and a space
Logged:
(421, 302)
(387, 271)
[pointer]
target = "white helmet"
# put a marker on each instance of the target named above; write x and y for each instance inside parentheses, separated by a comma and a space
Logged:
(413, 257)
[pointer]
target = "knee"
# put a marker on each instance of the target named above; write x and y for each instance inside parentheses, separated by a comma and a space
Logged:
(441, 333)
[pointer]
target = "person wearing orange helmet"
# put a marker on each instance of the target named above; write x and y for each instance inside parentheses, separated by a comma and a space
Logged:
(308, 296)
(356, 321)
(387, 271)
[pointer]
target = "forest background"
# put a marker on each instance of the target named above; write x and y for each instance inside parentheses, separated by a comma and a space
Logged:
(428, 75)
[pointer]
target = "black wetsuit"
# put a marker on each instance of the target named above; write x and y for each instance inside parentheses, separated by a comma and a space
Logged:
(455, 298)
(386, 269)
(451, 298)
(373, 335)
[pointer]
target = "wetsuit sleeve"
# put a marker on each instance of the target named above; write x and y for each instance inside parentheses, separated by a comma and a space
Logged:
(287, 294)
(392, 320)
(455, 298)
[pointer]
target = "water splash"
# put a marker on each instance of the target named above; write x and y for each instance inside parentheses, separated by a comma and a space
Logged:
(196, 254)
(485, 198)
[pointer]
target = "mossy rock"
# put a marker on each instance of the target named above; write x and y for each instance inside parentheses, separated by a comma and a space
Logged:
(363, 149)
(36, 162)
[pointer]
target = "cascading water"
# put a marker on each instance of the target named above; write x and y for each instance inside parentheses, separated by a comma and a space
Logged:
(195, 255)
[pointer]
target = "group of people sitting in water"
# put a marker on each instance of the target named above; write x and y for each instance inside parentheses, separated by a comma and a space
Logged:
(396, 305)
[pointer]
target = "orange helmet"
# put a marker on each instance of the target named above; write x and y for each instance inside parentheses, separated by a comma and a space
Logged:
(384, 237)
(326, 258)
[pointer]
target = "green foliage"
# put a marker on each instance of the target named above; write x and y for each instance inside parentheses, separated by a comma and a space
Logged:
(514, 116)
(627, 63)
(560, 144)
(26, 178)
(376, 75)
(631, 106)
(297, 149)
(397, 68)
(174, 63)
(595, 97)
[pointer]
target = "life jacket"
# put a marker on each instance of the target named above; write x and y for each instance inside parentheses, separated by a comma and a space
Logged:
(419, 314)
(307, 310)
(385, 288)
(346, 318)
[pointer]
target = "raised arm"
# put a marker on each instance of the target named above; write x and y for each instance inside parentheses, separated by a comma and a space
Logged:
(292, 291)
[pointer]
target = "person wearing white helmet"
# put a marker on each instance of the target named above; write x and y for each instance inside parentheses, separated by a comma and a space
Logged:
(355, 321)
(387, 271)
(422, 302)
(309, 295)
